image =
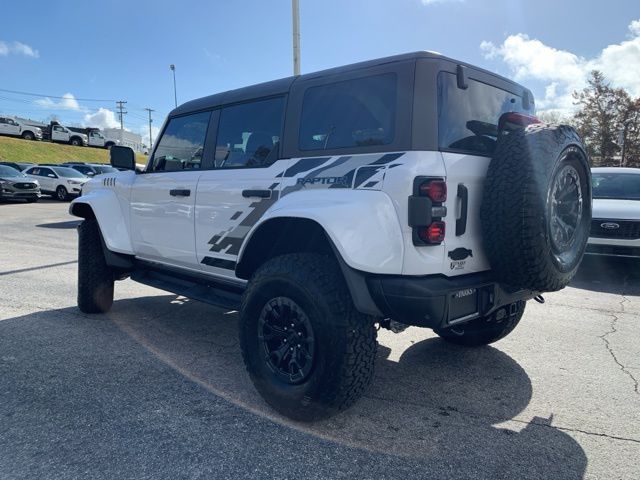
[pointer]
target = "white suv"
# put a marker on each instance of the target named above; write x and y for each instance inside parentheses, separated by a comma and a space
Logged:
(60, 182)
(414, 190)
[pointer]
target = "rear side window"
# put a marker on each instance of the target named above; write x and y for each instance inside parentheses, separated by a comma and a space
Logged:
(468, 118)
(182, 143)
(351, 113)
(249, 134)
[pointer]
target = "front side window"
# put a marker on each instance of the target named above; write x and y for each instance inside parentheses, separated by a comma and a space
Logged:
(468, 118)
(352, 113)
(182, 143)
(249, 134)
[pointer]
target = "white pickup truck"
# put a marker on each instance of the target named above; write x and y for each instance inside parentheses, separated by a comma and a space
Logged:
(55, 132)
(15, 128)
(97, 139)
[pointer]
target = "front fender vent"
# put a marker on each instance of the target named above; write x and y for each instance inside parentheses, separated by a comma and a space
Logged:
(109, 181)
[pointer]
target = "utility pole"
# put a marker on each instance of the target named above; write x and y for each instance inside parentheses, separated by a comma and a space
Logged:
(295, 11)
(121, 112)
(172, 67)
(150, 120)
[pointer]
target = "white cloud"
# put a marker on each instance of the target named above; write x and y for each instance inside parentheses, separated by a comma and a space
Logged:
(102, 118)
(563, 71)
(67, 102)
(17, 48)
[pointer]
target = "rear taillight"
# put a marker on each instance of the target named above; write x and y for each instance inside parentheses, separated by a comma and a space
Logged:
(432, 234)
(426, 210)
(436, 190)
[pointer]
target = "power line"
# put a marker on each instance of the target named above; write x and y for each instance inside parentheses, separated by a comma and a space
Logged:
(121, 112)
(31, 94)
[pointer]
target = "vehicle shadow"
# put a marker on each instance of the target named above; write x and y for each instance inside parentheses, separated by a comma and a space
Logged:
(608, 275)
(433, 402)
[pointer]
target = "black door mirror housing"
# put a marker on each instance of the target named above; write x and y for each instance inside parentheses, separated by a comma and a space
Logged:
(122, 157)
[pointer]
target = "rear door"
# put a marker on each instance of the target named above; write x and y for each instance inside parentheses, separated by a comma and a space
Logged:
(467, 134)
(244, 182)
(163, 198)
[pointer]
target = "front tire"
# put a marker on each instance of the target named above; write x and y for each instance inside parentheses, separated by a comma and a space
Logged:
(484, 330)
(62, 194)
(95, 277)
(308, 351)
(75, 142)
(28, 136)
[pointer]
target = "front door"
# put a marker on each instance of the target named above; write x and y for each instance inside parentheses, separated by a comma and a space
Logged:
(244, 183)
(163, 198)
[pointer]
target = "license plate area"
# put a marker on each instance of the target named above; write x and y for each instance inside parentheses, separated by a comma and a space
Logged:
(463, 305)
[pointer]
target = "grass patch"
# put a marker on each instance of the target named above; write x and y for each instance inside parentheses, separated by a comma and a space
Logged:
(18, 150)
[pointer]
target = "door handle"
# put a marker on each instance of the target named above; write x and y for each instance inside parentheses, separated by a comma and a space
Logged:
(256, 193)
(461, 223)
(180, 192)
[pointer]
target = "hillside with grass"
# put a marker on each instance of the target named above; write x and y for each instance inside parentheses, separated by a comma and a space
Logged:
(19, 150)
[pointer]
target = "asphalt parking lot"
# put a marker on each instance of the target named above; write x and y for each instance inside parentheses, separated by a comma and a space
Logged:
(157, 388)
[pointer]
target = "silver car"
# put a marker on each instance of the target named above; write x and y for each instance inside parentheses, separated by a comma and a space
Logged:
(16, 185)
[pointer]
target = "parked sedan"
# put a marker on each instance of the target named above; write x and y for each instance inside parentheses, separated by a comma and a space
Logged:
(60, 182)
(615, 228)
(16, 185)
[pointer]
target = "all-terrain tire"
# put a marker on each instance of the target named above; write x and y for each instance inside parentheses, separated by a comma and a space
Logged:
(484, 330)
(95, 277)
(527, 245)
(343, 340)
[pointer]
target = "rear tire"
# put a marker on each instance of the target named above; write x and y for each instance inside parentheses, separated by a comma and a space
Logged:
(333, 346)
(95, 277)
(485, 330)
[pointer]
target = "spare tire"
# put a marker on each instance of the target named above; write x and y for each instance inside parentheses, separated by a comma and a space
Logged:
(536, 208)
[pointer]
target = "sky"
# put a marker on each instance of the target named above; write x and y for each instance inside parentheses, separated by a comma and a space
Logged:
(92, 54)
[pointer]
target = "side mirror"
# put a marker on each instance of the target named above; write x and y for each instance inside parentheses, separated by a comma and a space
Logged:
(90, 174)
(51, 175)
(122, 157)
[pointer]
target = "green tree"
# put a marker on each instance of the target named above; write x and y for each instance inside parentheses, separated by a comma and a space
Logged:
(600, 118)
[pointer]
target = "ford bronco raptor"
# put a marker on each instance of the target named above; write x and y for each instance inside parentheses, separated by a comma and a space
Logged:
(410, 190)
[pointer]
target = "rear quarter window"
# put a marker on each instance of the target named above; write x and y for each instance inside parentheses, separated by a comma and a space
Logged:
(468, 118)
(351, 113)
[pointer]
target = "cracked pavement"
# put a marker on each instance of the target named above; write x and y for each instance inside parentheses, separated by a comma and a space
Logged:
(157, 389)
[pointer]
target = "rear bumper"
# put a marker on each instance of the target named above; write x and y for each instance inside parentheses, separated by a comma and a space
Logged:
(437, 301)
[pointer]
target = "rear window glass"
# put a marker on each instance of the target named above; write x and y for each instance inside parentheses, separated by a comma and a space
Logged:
(468, 119)
(352, 113)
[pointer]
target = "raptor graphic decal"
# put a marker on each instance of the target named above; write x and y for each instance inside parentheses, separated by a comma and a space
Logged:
(349, 171)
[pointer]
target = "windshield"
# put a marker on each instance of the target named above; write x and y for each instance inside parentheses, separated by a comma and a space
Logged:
(622, 186)
(68, 172)
(6, 172)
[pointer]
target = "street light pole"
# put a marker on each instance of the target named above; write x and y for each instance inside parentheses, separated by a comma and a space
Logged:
(175, 94)
(295, 11)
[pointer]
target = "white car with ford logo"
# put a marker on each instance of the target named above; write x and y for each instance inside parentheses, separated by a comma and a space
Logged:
(615, 228)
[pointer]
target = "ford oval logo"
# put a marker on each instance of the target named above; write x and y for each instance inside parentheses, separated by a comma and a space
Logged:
(610, 225)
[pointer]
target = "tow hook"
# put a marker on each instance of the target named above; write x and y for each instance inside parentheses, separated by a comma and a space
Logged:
(539, 298)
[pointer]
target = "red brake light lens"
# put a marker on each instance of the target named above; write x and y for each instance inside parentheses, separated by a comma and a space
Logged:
(513, 120)
(434, 233)
(436, 190)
